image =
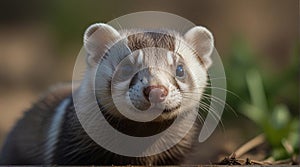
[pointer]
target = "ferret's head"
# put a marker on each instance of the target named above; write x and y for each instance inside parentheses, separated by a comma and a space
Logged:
(144, 72)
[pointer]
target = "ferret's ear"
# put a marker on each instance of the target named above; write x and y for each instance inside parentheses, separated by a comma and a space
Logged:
(202, 41)
(97, 38)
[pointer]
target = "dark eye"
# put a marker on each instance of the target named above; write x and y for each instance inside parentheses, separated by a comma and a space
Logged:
(180, 71)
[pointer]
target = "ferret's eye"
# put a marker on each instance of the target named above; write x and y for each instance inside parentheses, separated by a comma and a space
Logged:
(180, 71)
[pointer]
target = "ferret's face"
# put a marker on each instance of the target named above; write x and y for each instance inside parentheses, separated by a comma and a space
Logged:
(150, 72)
(159, 79)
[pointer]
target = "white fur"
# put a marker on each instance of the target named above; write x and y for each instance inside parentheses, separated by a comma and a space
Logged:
(170, 58)
(54, 131)
(97, 39)
(202, 40)
(140, 57)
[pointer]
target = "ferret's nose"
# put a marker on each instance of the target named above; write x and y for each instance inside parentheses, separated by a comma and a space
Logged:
(155, 94)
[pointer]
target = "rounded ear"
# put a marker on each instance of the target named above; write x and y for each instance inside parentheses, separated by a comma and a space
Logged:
(202, 41)
(97, 39)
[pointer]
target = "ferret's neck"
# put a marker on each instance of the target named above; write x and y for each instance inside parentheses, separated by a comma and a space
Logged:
(137, 129)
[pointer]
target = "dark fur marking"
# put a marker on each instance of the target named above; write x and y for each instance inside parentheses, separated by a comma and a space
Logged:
(151, 39)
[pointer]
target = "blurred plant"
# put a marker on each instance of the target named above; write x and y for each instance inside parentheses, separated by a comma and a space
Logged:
(279, 127)
(270, 108)
(280, 83)
(241, 59)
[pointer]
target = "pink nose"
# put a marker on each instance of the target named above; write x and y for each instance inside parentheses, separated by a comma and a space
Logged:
(155, 94)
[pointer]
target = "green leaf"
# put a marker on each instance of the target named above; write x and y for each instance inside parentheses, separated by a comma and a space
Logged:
(256, 90)
(294, 136)
(279, 153)
(255, 114)
(280, 117)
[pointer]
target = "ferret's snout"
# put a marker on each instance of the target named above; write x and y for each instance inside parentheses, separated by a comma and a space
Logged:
(155, 94)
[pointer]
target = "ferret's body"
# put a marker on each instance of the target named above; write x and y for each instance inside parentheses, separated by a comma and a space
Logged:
(50, 132)
(21, 148)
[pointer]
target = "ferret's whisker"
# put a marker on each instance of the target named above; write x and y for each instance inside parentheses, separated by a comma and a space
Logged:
(220, 102)
(217, 78)
(206, 108)
(216, 99)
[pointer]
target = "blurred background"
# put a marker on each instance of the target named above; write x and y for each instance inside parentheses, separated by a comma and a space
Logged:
(258, 41)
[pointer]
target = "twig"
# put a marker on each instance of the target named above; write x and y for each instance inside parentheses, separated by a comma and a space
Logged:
(287, 146)
(258, 140)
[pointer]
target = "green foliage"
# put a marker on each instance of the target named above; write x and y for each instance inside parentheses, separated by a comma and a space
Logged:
(239, 61)
(273, 92)
(279, 127)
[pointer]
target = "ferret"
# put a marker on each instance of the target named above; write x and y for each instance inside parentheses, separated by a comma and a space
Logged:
(175, 78)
